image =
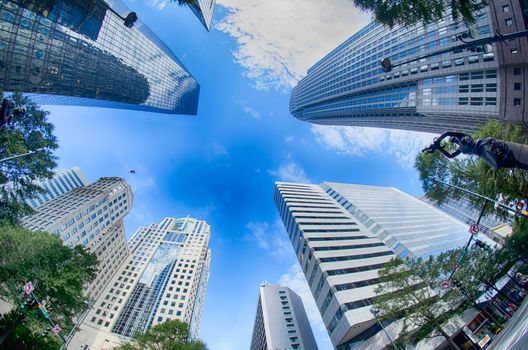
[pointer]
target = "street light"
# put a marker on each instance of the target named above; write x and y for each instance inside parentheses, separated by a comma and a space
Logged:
(375, 312)
(22, 155)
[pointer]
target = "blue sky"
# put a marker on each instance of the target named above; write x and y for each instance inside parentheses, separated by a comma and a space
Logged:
(221, 165)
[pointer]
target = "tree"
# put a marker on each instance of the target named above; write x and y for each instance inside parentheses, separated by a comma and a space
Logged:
(59, 275)
(186, 2)
(472, 173)
(169, 335)
(29, 131)
(411, 291)
(409, 12)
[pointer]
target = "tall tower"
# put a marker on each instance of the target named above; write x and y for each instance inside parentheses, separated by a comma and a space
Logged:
(204, 10)
(92, 216)
(281, 321)
(456, 91)
(343, 234)
(78, 52)
(164, 278)
(63, 181)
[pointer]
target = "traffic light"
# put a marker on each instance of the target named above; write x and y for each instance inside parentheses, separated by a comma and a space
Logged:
(27, 304)
(457, 284)
(482, 245)
(46, 331)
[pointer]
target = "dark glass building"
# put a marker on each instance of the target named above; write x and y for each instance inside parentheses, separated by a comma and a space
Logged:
(458, 91)
(79, 52)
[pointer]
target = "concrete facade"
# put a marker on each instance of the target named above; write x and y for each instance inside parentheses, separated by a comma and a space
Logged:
(281, 322)
(164, 278)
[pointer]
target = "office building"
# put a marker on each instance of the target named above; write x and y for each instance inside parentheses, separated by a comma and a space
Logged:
(457, 91)
(463, 210)
(204, 10)
(78, 52)
(92, 216)
(62, 182)
(164, 278)
(343, 234)
(281, 321)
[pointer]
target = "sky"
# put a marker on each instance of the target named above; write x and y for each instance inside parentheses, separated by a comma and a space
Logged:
(221, 165)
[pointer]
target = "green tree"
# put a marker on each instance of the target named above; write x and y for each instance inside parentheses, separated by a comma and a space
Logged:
(169, 335)
(409, 12)
(185, 2)
(472, 173)
(411, 291)
(28, 132)
(59, 275)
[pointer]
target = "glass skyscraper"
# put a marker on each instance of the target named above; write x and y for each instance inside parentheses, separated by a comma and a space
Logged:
(455, 91)
(204, 10)
(164, 278)
(78, 52)
(343, 234)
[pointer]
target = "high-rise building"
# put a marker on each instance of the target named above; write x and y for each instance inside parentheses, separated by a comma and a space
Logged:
(63, 181)
(92, 216)
(78, 52)
(463, 210)
(281, 321)
(204, 10)
(164, 278)
(455, 91)
(343, 234)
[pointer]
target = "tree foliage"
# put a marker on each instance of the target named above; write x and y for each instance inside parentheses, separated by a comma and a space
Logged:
(411, 292)
(169, 335)
(58, 273)
(472, 173)
(29, 132)
(409, 12)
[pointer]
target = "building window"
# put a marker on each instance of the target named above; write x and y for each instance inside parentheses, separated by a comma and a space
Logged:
(514, 51)
(517, 86)
(516, 101)
(509, 22)
(517, 71)
(506, 8)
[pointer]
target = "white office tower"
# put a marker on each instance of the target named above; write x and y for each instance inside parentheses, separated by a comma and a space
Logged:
(92, 216)
(343, 234)
(281, 321)
(63, 181)
(164, 278)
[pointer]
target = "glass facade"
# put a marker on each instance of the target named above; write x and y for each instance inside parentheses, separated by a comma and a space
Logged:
(81, 53)
(204, 10)
(457, 90)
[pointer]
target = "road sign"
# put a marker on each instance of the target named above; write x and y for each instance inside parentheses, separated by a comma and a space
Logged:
(28, 288)
(43, 310)
(56, 329)
(474, 229)
(445, 284)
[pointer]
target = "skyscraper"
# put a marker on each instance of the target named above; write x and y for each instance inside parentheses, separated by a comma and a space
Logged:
(92, 216)
(281, 322)
(463, 210)
(78, 52)
(164, 278)
(343, 234)
(204, 10)
(63, 181)
(454, 91)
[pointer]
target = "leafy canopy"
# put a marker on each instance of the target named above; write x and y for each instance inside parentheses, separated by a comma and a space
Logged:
(169, 335)
(58, 273)
(29, 132)
(409, 12)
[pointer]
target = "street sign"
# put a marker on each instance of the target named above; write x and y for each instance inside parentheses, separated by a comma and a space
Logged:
(445, 284)
(474, 229)
(28, 288)
(43, 310)
(56, 329)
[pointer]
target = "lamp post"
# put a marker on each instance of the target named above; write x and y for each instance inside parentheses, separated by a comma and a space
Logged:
(374, 313)
(483, 45)
(22, 155)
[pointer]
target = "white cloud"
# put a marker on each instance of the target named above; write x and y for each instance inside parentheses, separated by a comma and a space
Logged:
(217, 150)
(279, 40)
(272, 238)
(296, 281)
(250, 110)
(357, 141)
(291, 172)
(159, 4)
